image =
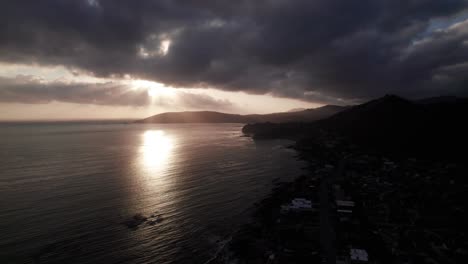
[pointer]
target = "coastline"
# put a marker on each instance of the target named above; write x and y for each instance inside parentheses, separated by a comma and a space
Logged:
(363, 203)
(251, 242)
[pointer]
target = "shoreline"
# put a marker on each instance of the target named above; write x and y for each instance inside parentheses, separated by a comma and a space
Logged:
(386, 210)
(265, 214)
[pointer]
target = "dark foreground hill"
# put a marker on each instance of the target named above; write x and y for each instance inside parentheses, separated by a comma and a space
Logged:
(307, 115)
(433, 127)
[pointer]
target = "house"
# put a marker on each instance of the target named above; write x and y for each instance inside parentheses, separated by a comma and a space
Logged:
(297, 204)
(358, 255)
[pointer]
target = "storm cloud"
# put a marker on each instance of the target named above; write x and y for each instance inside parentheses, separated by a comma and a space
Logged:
(328, 51)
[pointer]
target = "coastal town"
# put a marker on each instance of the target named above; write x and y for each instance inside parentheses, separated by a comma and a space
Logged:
(353, 206)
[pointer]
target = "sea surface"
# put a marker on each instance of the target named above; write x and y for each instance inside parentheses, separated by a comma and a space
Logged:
(67, 189)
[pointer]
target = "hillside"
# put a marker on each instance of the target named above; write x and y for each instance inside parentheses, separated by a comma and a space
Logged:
(390, 124)
(308, 115)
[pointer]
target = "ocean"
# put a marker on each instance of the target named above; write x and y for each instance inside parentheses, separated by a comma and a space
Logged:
(68, 191)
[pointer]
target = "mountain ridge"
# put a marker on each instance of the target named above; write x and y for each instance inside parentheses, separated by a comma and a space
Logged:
(389, 124)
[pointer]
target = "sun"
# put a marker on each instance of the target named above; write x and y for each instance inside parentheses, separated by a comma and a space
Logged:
(153, 89)
(152, 92)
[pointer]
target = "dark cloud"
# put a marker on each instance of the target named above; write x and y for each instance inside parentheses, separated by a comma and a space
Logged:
(30, 90)
(26, 89)
(322, 50)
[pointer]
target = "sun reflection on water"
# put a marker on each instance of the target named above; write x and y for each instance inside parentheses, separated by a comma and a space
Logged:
(156, 171)
(156, 149)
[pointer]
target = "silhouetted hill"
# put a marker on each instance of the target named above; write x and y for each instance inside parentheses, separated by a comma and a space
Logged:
(430, 127)
(390, 124)
(440, 100)
(384, 113)
(308, 115)
(297, 109)
(197, 117)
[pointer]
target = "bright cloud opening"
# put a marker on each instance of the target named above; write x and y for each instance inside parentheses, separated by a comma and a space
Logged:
(164, 47)
(154, 89)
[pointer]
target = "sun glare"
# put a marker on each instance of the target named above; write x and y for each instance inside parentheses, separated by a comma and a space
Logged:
(156, 148)
(153, 89)
(152, 92)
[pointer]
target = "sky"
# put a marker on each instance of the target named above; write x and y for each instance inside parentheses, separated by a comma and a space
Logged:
(111, 59)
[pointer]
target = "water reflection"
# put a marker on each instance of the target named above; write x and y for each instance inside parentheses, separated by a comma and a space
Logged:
(156, 169)
(156, 149)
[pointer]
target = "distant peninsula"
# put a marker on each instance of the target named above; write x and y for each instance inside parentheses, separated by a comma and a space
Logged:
(308, 115)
